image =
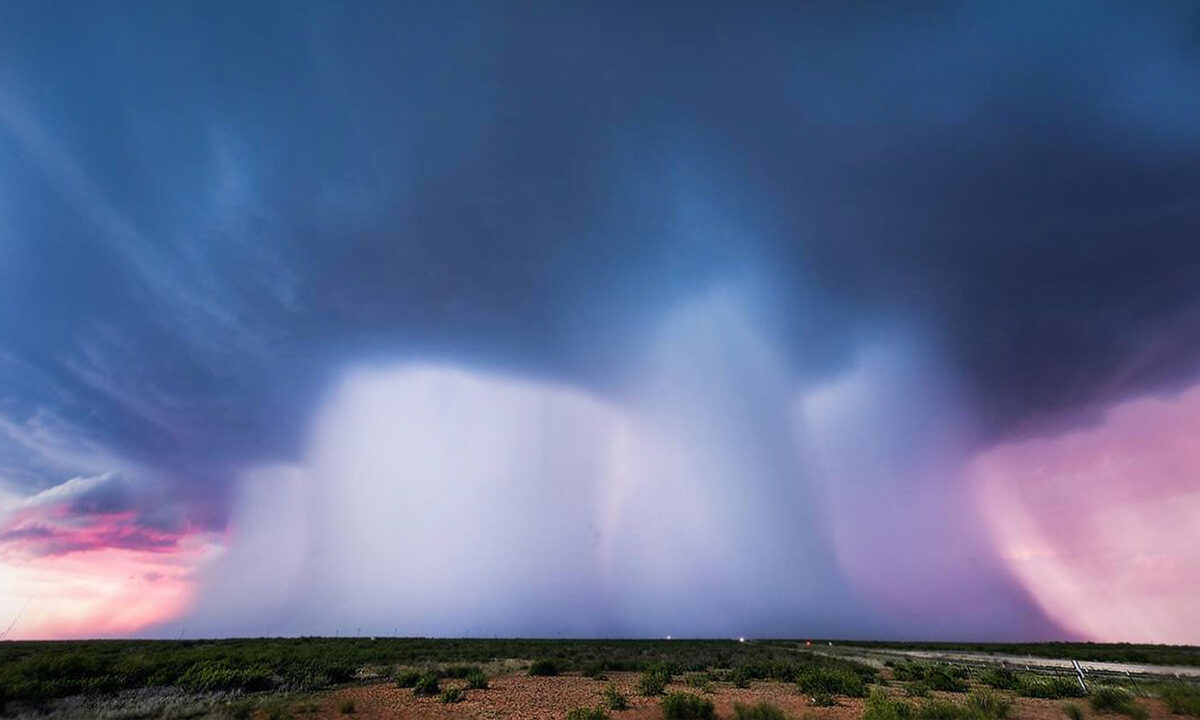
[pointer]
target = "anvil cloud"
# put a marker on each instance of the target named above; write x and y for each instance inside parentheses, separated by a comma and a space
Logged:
(600, 319)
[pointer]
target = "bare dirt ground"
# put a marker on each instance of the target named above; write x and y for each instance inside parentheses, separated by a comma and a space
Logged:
(550, 698)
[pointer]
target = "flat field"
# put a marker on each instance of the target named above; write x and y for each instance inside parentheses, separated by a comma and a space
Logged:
(301, 678)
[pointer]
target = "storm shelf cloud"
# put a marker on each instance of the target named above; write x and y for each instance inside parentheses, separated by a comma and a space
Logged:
(600, 319)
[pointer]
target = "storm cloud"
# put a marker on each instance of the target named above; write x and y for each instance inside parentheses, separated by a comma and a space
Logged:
(852, 246)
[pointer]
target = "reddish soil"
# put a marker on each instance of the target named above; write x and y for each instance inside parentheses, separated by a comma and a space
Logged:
(550, 698)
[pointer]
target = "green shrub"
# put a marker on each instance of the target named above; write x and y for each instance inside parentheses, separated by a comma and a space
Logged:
(741, 677)
(594, 671)
(543, 668)
(946, 678)
(881, 707)
(347, 707)
(614, 699)
(1182, 699)
(700, 680)
(1108, 699)
(585, 713)
(685, 706)
(917, 688)
(1072, 711)
(407, 678)
(1001, 678)
(988, 704)
(1051, 688)
(427, 685)
(822, 699)
(762, 711)
(830, 680)
(453, 695)
(940, 676)
(477, 680)
(654, 681)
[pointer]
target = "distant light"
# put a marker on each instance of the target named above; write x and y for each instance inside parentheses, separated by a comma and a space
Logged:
(741, 639)
(668, 637)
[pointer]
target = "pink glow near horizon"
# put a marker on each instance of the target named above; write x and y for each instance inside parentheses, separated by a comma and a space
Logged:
(98, 593)
(70, 566)
(1102, 525)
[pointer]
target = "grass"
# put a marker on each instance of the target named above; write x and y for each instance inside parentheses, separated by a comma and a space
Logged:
(1115, 701)
(988, 704)
(880, 706)
(477, 680)
(1072, 711)
(1182, 699)
(761, 711)
(614, 699)
(587, 713)
(453, 695)
(686, 706)
(347, 707)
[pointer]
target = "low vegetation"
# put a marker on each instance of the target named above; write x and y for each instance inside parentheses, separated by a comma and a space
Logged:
(1052, 688)
(829, 680)
(686, 706)
(1115, 701)
(477, 679)
(614, 699)
(880, 706)
(935, 676)
(543, 668)
(1072, 711)
(1182, 699)
(427, 685)
(453, 695)
(1102, 652)
(759, 711)
(654, 681)
(1001, 678)
(701, 681)
(988, 704)
(587, 713)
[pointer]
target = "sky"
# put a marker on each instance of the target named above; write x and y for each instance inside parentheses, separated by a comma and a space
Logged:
(615, 319)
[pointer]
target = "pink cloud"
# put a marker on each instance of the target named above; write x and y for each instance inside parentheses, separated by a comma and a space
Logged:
(1102, 525)
(82, 559)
